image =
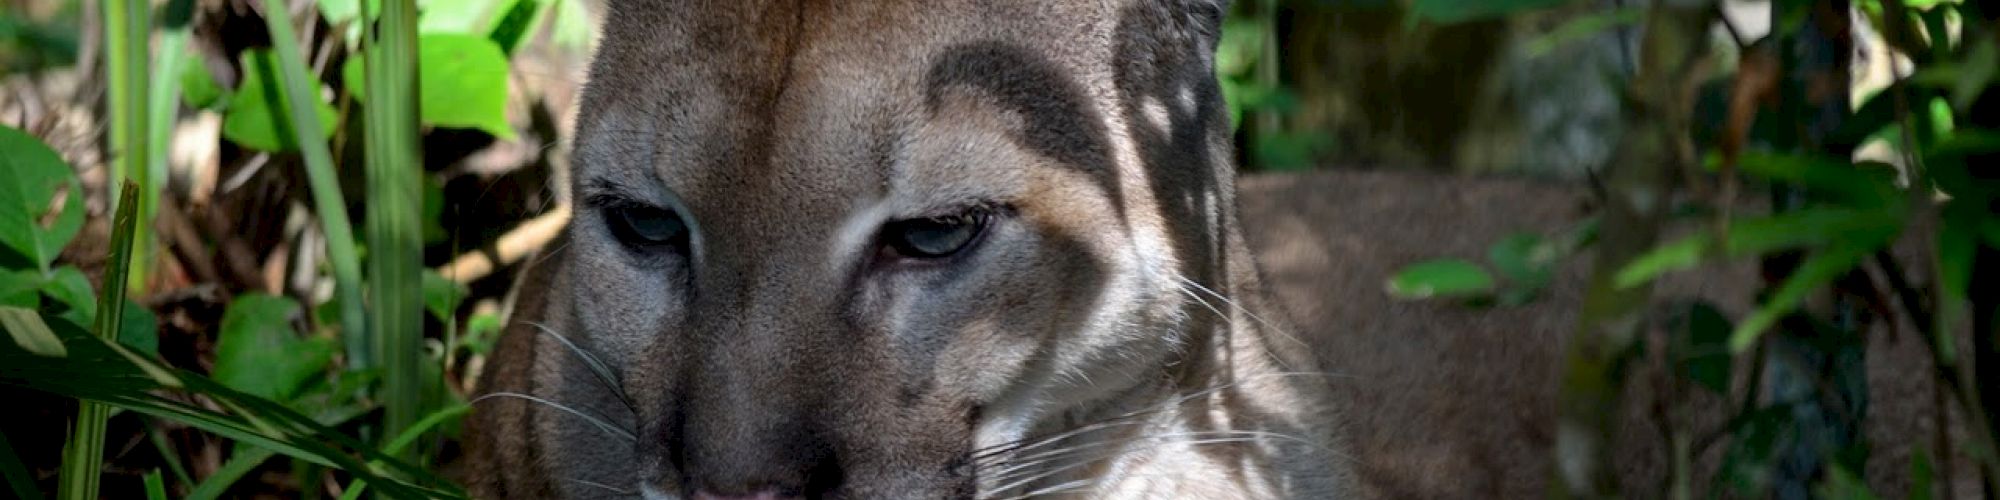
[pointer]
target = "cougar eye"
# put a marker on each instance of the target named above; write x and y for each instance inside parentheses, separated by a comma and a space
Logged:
(934, 237)
(645, 226)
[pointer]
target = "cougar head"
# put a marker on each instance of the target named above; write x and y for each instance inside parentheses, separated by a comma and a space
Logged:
(845, 249)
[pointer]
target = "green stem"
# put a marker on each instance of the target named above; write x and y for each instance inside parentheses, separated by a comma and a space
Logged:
(300, 91)
(83, 454)
(395, 198)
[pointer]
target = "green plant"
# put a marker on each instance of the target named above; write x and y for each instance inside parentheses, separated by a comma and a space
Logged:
(1832, 219)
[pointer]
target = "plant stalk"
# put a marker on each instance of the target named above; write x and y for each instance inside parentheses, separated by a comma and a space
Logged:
(300, 90)
(83, 453)
(395, 201)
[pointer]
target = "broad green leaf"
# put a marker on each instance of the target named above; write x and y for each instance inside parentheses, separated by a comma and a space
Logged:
(30, 332)
(453, 16)
(199, 88)
(259, 353)
(1679, 255)
(68, 286)
(138, 329)
(1701, 348)
(441, 296)
(480, 330)
(462, 83)
(1459, 11)
(1441, 278)
(1817, 270)
(30, 176)
(17, 288)
(257, 116)
(1242, 42)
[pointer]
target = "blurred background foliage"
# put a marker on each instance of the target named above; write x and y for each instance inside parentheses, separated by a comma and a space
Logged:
(221, 316)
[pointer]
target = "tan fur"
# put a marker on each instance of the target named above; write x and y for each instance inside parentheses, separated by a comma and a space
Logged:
(1107, 336)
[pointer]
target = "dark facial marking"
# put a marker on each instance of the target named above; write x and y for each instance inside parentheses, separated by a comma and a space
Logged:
(1058, 121)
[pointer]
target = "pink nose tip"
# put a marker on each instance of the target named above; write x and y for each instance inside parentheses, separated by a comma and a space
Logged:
(767, 495)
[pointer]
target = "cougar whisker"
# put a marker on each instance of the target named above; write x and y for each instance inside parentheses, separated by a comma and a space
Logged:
(605, 487)
(1048, 456)
(1233, 304)
(615, 431)
(596, 366)
(990, 452)
(1018, 481)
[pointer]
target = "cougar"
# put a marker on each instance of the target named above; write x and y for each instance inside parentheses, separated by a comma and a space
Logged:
(904, 249)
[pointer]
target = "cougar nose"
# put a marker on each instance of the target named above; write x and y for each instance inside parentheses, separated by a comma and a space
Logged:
(766, 495)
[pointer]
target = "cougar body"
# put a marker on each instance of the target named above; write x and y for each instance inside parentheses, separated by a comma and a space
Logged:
(904, 249)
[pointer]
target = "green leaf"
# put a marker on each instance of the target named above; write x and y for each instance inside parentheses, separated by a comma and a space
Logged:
(1958, 241)
(17, 288)
(1679, 255)
(1810, 227)
(156, 486)
(462, 83)
(1526, 261)
(242, 460)
(480, 330)
(97, 371)
(1922, 483)
(1866, 185)
(138, 329)
(442, 296)
(1582, 28)
(19, 480)
(1459, 11)
(257, 351)
(257, 117)
(452, 16)
(1441, 278)
(1701, 346)
(1840, 484)
(69, 287)
(515, 24)
(30, 176)
(1818, 269)
(30, 332)
(1241, 43)
(199, 88)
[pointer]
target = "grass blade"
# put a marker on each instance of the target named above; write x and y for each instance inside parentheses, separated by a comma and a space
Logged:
(325, 183)
(162, 107)
(244, 460)
(83, 453)
(103, 372)
(395, 201)
(410, 436)
(18, 478)
(156, 486)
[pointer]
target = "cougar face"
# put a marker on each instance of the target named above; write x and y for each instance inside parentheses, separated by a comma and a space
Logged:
(886, 249)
